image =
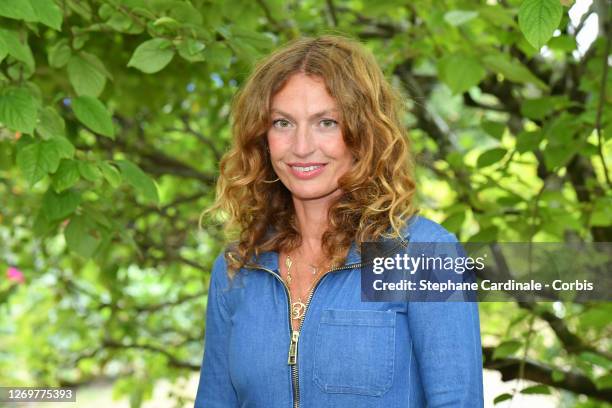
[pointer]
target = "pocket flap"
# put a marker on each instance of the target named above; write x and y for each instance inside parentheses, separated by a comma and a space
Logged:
(377, 318)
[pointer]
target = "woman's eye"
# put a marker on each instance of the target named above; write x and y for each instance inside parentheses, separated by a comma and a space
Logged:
(280, 123)
(327, 123)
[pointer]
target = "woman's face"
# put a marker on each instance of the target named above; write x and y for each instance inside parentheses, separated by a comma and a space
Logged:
(307, 149)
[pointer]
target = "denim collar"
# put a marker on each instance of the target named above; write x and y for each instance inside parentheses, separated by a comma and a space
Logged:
(269, 259)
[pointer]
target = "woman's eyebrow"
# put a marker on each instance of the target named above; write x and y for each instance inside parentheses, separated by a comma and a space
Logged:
(313, 116)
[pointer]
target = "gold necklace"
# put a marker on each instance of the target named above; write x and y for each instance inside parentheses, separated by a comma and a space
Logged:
(298, 308)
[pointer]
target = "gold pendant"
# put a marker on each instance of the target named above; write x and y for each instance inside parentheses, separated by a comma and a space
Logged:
(297, 310)
(288, 263)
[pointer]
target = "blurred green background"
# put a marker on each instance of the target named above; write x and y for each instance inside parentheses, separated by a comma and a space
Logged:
(113, 117)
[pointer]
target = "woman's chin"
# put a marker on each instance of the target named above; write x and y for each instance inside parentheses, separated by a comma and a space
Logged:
(314, 194)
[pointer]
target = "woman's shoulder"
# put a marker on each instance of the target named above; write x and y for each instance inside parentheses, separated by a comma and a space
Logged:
(422, 229)
(219, 267)
(220, 273)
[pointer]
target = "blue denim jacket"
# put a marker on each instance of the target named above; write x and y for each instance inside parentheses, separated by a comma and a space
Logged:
(349, 353)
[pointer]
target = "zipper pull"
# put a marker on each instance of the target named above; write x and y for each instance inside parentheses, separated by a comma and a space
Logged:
(295, 334)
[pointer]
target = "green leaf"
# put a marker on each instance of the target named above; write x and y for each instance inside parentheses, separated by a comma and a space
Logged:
(37, 159)
(244, 51)
(458, 17)
(79, 40)
(17, 49)
(80, 7)
(110, 173)
(191, 50)
(117, 20)
(506, 349)
(120, 22)
(597, 316)
(42, 227)
(152, 56)
(64, 148)
(48, 13)
(536, 389)
(66, 175)
(566, 43)
(512, 69)
(536, 108)
(528, 141)
(86, 77)
(490, 157)
(556, 155)
(82, 236)
(59, 53)
(539, 108)
(95, 62)
(454, 221)
(252, 38)
(166, 21)
(93, 114)
(218, 55)
(502, 397)
(596, 359)
(455, 159)
(89, 171)
(460, 72)
(18, 109)
(144, 184)
(494, 129)
(186, 13)
(488, 234)
(51, 124)
(247, 44)
(497, 15)
(58, 206)
(17, 9)
(538, 19)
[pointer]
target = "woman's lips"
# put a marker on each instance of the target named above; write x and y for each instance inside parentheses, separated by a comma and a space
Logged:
(306, 171)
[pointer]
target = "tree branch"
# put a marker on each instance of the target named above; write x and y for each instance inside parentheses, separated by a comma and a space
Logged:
(172, 361)
(533, 371)
(332, 12)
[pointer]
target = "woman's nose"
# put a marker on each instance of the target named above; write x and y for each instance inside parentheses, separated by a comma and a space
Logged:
(304, 143)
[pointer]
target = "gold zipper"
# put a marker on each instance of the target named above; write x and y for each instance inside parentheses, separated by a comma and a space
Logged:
(293, 347)
(295, 334)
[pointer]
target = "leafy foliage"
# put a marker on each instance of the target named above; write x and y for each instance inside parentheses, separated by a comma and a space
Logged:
(114, 114)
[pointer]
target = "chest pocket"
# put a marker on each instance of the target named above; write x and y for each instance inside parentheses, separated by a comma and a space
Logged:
(355, 351)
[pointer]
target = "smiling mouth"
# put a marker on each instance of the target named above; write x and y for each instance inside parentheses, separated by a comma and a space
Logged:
(306, 169)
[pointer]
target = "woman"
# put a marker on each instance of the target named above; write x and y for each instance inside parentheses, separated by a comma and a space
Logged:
(319, 164)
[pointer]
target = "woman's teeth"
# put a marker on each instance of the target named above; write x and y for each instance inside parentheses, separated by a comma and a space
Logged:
(305, 169)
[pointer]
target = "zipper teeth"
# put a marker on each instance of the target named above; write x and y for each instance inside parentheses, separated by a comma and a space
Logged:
(294, 368)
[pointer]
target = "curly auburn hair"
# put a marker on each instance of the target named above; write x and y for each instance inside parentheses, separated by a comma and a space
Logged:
(378, 191)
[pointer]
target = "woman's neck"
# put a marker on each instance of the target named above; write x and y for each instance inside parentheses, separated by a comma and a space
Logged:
(312, 221)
